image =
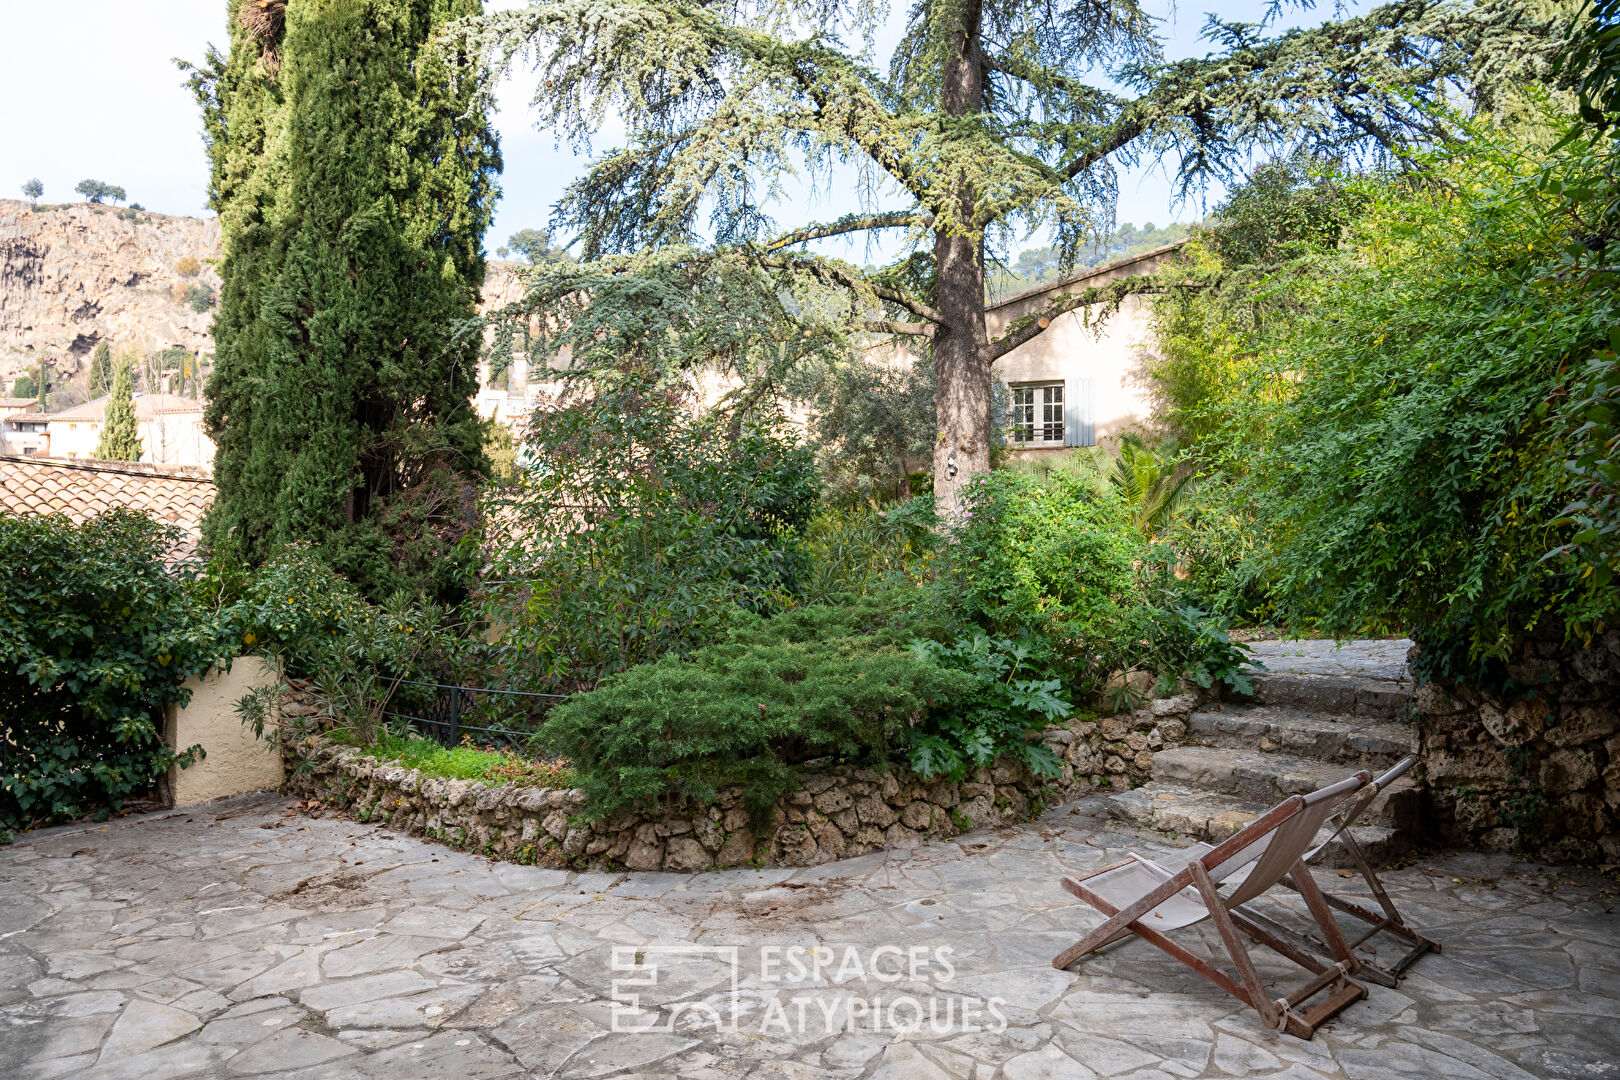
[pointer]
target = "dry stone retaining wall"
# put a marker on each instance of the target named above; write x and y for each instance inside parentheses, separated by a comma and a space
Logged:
(833, 814)
(1535, 767)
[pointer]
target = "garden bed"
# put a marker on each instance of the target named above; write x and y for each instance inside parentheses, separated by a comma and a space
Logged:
(832, 813)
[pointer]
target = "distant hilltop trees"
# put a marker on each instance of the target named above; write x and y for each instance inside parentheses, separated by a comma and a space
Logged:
(99, 191)
(32, 190)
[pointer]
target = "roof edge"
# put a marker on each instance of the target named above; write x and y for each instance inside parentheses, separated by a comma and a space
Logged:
(121, 468)
(1091, 272)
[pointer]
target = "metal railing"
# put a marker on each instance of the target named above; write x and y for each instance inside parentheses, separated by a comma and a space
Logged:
(447, 717)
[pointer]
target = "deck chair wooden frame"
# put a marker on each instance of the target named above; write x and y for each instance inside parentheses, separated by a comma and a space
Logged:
(1250, 861)
(1390, 921)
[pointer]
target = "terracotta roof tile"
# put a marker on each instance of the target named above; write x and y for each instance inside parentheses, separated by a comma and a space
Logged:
(174, 496)
(147, 406)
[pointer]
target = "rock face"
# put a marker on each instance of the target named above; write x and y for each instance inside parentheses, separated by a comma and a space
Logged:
(835, 813)
(1532, 764)
(71, 276)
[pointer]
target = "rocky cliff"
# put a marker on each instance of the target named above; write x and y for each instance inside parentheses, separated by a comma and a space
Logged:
(71, 276)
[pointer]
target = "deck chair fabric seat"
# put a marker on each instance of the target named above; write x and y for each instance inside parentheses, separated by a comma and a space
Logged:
(1140, 897)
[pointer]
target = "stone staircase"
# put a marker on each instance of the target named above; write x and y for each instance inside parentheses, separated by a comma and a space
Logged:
(1319, 712)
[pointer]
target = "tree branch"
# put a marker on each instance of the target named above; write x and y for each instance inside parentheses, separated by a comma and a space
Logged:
(909, 329)
(836, 275)
(1112, 295)
(897, 219)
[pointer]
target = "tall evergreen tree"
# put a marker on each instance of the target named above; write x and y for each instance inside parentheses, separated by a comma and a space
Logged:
(354, 181)
(996, 118)
(101, 369)
(120, 432)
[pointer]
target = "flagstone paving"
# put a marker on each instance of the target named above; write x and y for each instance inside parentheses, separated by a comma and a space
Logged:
(235, 940)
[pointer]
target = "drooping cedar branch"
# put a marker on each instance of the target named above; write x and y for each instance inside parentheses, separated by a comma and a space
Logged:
(898, 219)
(904, 329)
(1109, 296)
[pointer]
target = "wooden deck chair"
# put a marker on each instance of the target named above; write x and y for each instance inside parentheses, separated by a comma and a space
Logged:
(1389, 922)
(1142, 898)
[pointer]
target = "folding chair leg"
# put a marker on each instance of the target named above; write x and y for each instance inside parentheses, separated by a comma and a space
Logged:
(1234, 944)
(1324, 918)
(1153, 937)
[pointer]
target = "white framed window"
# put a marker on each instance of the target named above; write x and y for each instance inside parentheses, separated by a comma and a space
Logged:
(1037, 414)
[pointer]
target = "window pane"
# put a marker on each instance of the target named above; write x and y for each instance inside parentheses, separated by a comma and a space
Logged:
(1052, 414)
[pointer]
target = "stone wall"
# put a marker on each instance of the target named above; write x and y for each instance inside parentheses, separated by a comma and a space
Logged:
(833, 814)
(1533, 768)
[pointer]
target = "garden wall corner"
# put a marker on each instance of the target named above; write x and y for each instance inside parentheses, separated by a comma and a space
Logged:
(236, 760)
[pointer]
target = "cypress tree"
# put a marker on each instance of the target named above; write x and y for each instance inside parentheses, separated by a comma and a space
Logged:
(120, 433)
(101, 369)
(354, 181)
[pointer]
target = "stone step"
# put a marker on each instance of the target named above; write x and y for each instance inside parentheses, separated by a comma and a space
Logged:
(1336, 695)
(1350, 740)
(1269, 778)
(1201, 815)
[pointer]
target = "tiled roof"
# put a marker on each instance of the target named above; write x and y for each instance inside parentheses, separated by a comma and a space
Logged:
(83, 490)
(147, 406)
(16, 402)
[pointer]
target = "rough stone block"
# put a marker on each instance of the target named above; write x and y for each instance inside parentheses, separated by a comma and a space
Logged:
(684, 854)
(738, 849)
(917, 815)
(872, 810)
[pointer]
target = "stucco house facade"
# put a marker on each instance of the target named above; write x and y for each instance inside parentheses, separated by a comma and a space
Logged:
(1075, 385)
(170, 427)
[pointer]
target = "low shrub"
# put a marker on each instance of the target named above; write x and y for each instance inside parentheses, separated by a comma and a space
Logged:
(811, 683)
(96, 641)
(994, 718)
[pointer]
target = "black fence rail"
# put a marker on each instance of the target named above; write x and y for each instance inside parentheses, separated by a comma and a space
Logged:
(489, 717)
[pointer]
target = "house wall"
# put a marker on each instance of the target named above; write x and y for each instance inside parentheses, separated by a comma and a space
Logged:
(1109, 357)
(23, 443)
(167, 439)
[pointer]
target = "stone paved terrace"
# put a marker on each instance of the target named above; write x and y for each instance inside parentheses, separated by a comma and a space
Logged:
(241, 939)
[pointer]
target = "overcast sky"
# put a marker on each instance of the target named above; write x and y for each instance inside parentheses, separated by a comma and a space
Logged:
(88, 89)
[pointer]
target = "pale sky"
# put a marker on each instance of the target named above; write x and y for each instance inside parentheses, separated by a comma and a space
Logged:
(88, 89)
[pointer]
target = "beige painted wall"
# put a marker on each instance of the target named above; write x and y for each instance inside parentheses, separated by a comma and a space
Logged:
(236, 761)
(175, 438)
(1069, 350)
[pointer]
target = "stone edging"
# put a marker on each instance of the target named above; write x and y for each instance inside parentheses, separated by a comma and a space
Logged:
(833, 814)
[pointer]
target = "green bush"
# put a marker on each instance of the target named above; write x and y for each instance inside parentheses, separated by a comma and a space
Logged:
(1061, 564)
(316, 626)
(815, 682)
(1056, 558)
(640, 530)
(994, 719)
(862, 551)
(1400, 440)
(96, 639)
